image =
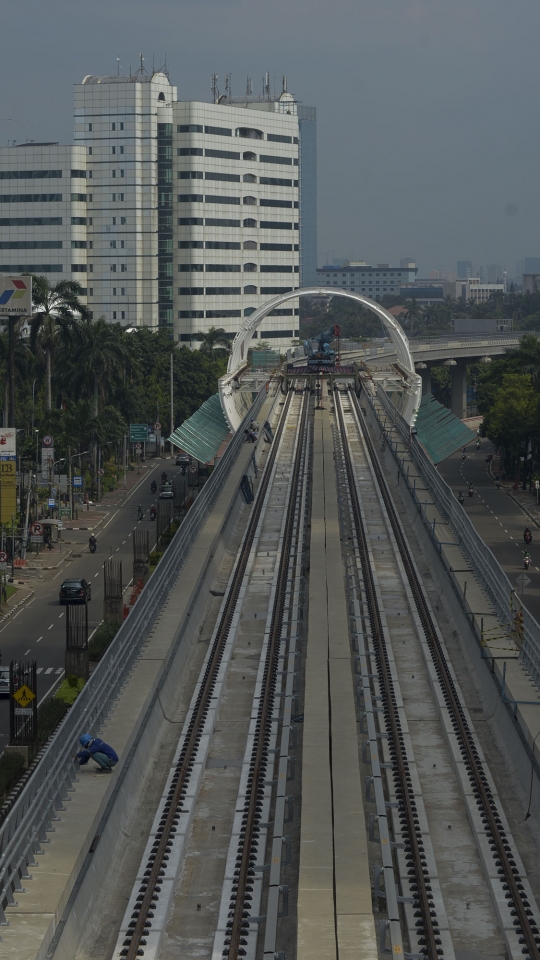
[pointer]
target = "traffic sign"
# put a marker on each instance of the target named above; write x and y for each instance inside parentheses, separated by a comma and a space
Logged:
(138, 432)
(157, 425)
(36, 539)
(523, 580)
(193, 468)
(37, 529)
(24, 695)
(77, 481)
(138, 446)
(101, 472)
(3, 556)
(51, 502)
(47, 441)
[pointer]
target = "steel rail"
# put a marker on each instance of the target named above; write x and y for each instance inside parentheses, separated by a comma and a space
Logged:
(240, 907)
(404, 790)
(150, 886)
(484, 799)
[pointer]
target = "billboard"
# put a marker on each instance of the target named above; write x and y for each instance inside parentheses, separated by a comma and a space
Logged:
(8, 488)
(8, 438)
(15, 296)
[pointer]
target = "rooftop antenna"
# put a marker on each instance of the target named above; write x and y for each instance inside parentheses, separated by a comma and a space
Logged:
(153, 65)
(267, 84)
(141, 68)
(118, 61)
(228, 90)
(248, 87)
(215, 91)
(284, 84)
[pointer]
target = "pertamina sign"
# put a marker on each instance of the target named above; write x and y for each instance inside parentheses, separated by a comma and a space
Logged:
(15, 296)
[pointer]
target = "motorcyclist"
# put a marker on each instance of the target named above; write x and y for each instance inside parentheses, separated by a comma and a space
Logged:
(164, 477)
(527, 535)
(526, 558)
(478, 444)
(140, 512)
(153, 512)
(153, 486)
(461, 498)
(92, 543)
(470, 490)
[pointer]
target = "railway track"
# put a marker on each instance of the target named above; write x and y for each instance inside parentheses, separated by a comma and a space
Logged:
(142, 930)
(512, 898)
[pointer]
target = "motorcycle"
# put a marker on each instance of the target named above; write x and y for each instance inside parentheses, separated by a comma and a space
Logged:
(153, 513)
(92, 544)
(527, 536)
(526, 562)
(470, 491)
(461, 498)
(477, 444)
(164, 477)
(153, 486)
(463, 456)
(140, 513)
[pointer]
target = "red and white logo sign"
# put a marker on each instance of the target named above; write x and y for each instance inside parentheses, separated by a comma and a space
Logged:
(47, 441)
(37, 529)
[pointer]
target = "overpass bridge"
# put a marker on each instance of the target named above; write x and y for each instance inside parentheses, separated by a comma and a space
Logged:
(301, 770)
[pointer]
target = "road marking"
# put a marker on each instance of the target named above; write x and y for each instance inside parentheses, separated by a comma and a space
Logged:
(51, 626)
(96, 575)
(61, 615)
(49, 670)
(41, 638)
(117, 549)
(123, 542)
(27, 652)
(59, 671)
(39, 669)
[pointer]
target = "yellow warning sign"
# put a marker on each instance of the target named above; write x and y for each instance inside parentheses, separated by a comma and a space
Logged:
(24, 695)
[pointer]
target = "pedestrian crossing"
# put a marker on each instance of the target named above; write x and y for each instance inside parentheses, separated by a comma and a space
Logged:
(47, 670)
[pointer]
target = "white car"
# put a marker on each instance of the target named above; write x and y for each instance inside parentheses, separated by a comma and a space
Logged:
(4, 681)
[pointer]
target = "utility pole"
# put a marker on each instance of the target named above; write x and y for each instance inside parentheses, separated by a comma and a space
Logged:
(172, 404)
(11, 356)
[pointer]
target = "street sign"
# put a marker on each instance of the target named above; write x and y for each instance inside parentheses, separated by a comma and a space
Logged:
(157, 425)
(3, 556)
(101, 472)
(523, 580)
(193, 468)
(15, 296)
(37, 529)
(24, 695)
(36, 539)
(47, 441)
(23, 711)
(138, 432)
(8, 440)
(51, 502)
(77, 481)
(138, 446)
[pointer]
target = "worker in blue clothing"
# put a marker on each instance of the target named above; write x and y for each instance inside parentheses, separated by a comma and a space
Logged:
(97, 750)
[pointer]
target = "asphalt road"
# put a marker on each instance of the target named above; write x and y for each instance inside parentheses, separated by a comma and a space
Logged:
(37, 632)
(499, 521)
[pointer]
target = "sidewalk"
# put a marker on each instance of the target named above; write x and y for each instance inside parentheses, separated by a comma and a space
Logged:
(524, 499)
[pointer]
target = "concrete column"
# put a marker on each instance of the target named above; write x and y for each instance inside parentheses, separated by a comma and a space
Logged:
(459, 389)
(426, 380)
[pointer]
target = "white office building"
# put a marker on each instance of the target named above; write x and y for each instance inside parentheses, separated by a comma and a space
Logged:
(373, 281)
(189, 214)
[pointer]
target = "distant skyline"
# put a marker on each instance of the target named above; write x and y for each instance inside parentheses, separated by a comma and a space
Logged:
(428, 141)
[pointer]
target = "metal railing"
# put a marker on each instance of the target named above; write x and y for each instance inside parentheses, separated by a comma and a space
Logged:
(490, 574)
(31, 816)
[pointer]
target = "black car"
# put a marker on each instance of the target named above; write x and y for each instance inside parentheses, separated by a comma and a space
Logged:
(75, 590)
(183, 460)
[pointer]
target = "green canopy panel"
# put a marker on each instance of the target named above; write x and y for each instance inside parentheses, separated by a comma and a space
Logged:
(439, 431)
(204, 432)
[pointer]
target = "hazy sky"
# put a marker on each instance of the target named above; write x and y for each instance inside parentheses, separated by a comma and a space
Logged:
(428, 129)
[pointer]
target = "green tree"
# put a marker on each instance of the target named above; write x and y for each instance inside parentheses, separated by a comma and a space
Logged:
(56, 309)
(512, 418)
(99, 360)
(215, 341)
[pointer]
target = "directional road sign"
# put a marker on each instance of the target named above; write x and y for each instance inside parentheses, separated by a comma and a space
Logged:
(24, 695)
(523, 580)
(138, 432)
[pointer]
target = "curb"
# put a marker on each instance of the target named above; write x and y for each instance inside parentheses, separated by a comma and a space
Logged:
(524, 509)
(17, 606)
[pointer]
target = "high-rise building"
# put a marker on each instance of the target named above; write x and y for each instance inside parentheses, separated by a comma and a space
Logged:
(531, 265)
(464, 269)
(178, 197)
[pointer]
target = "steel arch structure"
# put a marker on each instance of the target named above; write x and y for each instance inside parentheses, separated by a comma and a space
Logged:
(242, 341)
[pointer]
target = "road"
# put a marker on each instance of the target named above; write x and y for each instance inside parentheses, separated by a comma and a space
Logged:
(37, 632)
(499, 521)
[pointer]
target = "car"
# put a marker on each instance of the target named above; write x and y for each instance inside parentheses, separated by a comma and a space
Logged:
(183, 460)
(4, 681)
(75, 590)
(166, 495)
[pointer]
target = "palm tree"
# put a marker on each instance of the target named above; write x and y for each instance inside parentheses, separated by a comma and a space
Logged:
(215, 341)
(56, 310)
(98, 360)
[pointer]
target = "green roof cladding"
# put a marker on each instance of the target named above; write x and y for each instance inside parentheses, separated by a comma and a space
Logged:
(202, 434)
(439, 431)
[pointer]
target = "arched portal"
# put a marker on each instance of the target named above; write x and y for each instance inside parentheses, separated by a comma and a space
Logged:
(243, 338)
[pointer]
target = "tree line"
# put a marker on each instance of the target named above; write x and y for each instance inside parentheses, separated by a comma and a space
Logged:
(84, 381)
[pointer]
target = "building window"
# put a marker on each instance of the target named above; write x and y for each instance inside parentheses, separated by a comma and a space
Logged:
(276, 290)
(123, 291)
(287, 161)
(250, 268)
(161, 96)
(277, 138)
(189, 315)
(222, 154)
(249, 178)
(276, 268)
(90, 151)
(250, 201)
(114, 291)
(190, 221)
(191, 244)
(112, 243)
(190, 291)
(276, 182)
(123, 267)
(113, 268)
(113, 126)
(251, 132)
(78, 268)
(229, 177)
(285, 247)
(114, 315)
(189, 152)
(275, 225)
(250, 223)
(249, 288)
(221, 245)
(249, 155)
(117, 196)
(189, 128)
(222, 314)
(219, 131)
(122, 220)
(90, 127)
(280, 313)
(78, 244)
(191, 267)
(78, 221)
(276, 203)
(190, 175)
(80, 197)
(122, 245)
(250, 245)
(222, 291)
(220, 222)
(223, 268)
(190, 198)
(247, 313)
(220, 199)
(113, 150)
